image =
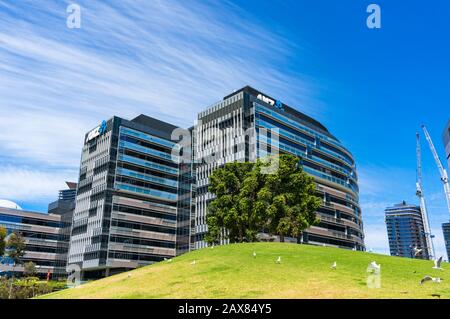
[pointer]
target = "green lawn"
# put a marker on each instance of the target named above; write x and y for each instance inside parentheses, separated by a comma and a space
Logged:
(230, 271)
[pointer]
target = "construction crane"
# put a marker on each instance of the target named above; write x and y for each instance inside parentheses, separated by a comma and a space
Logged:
(423, 206)
(442, 170)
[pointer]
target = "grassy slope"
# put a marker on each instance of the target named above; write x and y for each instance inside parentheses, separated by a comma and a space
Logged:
(231, 272)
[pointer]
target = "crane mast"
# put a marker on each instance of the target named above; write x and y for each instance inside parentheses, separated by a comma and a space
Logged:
(423, 206)
(442, 170)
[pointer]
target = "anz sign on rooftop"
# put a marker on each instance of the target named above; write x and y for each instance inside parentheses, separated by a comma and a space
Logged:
(99, 130)
(276, 103)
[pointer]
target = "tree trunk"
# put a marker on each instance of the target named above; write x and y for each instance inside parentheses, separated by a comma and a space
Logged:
(11, 282)
(281, 238)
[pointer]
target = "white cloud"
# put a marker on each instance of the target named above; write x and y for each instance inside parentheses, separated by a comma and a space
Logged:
(27, 184)
(381, 187)
(122, 62)
(49, 137)
(438, 242)
(390, 182)
(373, 209)
(167, 59)
(376, 238)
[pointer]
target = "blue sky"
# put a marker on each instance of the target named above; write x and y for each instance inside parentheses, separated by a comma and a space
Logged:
(170, 59)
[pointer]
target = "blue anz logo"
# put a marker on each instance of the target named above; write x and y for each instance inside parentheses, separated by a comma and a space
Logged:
(103, 127)
(279, 105)
(99, 130)
(271, 102)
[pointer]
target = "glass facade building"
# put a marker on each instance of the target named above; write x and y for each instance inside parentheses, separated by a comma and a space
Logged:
(128, 198)
(42, 234)
(446, 226)
(406, 231)
(243, 127)
(446, 231)
(446, 140)
(64, 206)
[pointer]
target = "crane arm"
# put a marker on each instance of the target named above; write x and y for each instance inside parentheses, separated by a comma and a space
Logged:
(442, 170)
(419, 160)
(423, 206)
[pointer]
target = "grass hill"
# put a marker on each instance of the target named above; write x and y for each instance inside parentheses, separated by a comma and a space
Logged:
(304, 272)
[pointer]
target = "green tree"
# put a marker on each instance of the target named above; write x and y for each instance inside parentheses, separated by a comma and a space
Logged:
(251, 206)
(230, 211)
(248, 201)
(289, 198)
(15, 247)
(29, 269)
(3, 234)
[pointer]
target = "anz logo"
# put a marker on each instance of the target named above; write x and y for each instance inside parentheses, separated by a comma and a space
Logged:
(267, 100)
(103, 127)
(99, 130)
(279, 105)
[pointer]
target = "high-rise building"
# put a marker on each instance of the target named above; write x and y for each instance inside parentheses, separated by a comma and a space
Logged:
(65, 202)
(243, 126)
(127, 198)
(186, 197)
(406, 231)
(446, 226)
(64, 206)
(446, 139)
(446, 231)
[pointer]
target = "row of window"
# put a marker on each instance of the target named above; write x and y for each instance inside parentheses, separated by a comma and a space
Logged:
(132, 158)
(143, 242)
(261, 109)
(27, 221)
(149, 178)
(140, 226)
(143, 212)
(147, 137)
(136, 257)
(147, 191)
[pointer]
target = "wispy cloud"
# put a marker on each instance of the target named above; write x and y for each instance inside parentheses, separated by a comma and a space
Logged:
(376, 238)
(381, 187)
(168, 59)
(25, 184)
(376, 179)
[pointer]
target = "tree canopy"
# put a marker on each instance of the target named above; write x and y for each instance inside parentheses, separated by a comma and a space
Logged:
(3, 234)
(15, 246)
(248, 201)
(29, 269)
(231, 210)
(289, 198)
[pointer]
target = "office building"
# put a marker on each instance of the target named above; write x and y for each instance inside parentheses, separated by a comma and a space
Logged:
(446, 140)
(406, 231)
(446, 226)
(127, 198)
(243, 127)
(186, 201)
(446, 231)
(65, 204)
(41, 232)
